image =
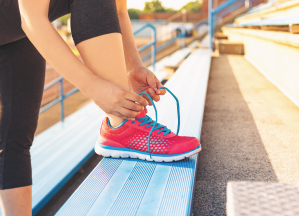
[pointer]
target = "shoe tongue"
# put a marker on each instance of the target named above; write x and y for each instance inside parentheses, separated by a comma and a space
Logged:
(141, 114)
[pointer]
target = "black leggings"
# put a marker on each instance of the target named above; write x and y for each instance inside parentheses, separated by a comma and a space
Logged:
(22, 74)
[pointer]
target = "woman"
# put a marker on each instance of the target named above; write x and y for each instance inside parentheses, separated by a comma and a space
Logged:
(112, 76)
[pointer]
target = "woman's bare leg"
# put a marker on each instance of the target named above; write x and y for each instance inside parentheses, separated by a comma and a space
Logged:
(104, 56)
(16, 201)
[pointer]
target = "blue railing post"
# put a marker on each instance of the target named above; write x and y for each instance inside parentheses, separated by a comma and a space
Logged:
(152, 43)
(211, 23)
(154, 49)
(61, 100)
(213, 12)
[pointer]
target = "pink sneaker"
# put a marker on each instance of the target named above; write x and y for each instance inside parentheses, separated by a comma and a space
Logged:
(145, 139)
(130, 140)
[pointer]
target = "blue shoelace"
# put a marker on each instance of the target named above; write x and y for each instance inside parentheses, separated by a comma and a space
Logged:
(154, 124)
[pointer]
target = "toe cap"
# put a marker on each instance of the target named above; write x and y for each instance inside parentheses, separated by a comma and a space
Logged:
(185, 146)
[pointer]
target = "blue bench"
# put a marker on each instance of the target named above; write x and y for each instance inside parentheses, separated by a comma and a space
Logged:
(136, 187)
(172, 60)
(59, 152)
(176, 58)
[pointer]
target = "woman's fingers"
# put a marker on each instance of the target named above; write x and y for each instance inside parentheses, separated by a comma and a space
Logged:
(153, 94)
(148, 100)
(132, 106)
(160, 91)
(136, 98)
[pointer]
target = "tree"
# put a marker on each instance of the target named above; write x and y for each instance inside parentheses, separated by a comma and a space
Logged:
(171, 10)
(153, 7)
(134, 13)
(64, 19)
(192, 7)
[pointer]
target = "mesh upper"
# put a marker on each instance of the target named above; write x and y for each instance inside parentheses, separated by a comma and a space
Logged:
(137, 139)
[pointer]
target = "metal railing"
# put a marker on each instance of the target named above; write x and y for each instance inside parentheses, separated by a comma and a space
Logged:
(153, 43)
(214, 11)
(182, 34)
(61, 97)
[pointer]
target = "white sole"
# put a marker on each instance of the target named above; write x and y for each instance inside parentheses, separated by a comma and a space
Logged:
(128, 154)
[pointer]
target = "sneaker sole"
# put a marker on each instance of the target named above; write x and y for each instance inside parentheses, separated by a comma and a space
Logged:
(117, 153)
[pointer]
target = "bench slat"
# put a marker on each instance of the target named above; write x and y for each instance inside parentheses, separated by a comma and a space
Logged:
(149, 188)
(178, 56)
(151, 201)
(172, 60)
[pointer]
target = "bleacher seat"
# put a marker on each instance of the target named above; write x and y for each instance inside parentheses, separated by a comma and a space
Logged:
(205, 43)
(59, 152)
(136, 187)
(172, 60)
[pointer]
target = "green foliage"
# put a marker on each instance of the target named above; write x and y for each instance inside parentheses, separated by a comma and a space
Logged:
(153, 7)
(134, 13)
(192, 7)
(171, 10)
(64, 19)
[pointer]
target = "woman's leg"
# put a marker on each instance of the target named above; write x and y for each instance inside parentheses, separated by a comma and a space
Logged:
(104, 56)
(22, 71)
(96, 32)
(16, 201)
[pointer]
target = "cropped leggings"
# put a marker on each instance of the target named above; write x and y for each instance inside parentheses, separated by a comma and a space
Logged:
(22, 74)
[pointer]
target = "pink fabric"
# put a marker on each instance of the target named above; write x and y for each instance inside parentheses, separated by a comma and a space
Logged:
(107, 142)
(133, 136)
(141, 114)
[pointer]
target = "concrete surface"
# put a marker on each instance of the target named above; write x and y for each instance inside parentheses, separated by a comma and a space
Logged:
(274, 53)
(250, 133)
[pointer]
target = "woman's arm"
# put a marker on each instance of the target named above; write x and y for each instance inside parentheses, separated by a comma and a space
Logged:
(36, 25)
(141, 79)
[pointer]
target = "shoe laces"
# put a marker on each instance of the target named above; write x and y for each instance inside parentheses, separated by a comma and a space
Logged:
(148, 120)
(154, 124)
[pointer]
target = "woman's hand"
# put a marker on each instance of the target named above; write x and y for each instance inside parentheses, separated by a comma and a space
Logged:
(142, 79)
(114, 99)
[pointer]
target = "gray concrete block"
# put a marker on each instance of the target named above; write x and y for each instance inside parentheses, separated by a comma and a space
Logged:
(262, 199)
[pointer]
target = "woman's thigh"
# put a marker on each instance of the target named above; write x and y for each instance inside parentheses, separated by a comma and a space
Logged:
(90, 18)
(22, 73)
(10, 18)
